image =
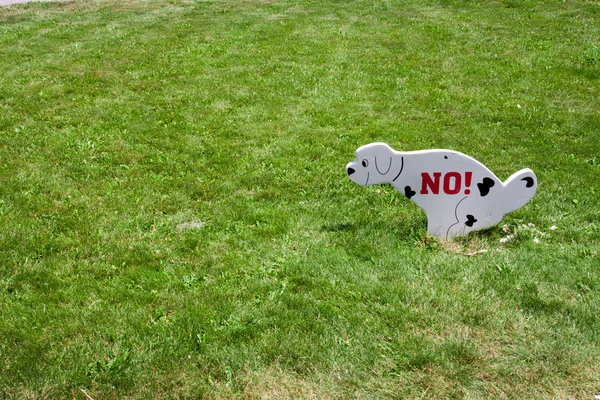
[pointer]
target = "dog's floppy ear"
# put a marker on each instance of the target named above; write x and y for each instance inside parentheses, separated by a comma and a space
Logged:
(383, 164)
(381, 154)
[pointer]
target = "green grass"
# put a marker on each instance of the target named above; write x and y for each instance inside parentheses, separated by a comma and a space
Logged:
(175, 219)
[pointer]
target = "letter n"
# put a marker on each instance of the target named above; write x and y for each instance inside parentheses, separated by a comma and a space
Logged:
(432, 184)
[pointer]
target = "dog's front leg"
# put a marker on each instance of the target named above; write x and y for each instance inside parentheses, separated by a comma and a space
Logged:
(437, 222)
(443, 222)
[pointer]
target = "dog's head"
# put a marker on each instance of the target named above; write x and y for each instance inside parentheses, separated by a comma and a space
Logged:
(374, 164)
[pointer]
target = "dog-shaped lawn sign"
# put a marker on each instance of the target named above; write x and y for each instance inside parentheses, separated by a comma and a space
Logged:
(457, 192)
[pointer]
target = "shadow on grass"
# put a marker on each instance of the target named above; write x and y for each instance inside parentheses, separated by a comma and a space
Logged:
(340, 227)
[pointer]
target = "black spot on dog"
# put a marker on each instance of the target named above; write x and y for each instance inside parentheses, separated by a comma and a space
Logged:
(470, 220)
(528, 181)
(445, 157)
(485, 186)
(408, 192)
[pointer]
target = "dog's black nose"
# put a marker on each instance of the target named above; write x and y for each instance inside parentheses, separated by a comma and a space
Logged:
(351, 171)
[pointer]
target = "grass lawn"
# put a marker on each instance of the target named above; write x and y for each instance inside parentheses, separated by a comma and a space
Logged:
(176, 220)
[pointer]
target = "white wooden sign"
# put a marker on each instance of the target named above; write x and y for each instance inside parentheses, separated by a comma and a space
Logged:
(457, 192)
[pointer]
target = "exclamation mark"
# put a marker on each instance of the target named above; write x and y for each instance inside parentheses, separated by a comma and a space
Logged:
(468, 176)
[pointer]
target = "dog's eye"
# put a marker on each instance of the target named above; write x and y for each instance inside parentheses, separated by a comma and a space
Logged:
(365, 163)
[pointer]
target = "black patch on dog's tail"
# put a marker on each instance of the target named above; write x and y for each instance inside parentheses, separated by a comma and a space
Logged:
(528, 181)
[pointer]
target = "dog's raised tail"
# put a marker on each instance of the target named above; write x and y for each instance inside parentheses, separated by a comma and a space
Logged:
(519, 188)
